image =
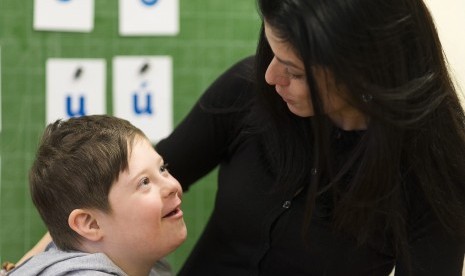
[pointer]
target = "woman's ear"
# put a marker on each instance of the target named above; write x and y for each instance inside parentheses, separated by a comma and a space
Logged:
(85, 223)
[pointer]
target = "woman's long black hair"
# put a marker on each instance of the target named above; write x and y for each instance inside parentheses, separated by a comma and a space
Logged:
(388, 55)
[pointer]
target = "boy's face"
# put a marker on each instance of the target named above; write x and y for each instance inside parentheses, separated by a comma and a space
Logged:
(145, 222)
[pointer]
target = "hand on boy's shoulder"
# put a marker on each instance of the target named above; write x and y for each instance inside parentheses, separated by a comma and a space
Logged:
(6, 266)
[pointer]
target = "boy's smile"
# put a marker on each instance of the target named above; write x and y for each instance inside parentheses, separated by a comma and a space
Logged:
(146, 221)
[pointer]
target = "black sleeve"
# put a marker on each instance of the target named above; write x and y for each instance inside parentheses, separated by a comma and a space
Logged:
(200, 142)
(433, 251)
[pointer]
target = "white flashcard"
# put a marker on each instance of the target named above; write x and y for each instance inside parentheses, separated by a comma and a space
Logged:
(148, 17)
(64, 15)
(142, 93)
(75, 87)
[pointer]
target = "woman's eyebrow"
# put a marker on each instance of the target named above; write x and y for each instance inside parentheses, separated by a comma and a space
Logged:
(288, 63)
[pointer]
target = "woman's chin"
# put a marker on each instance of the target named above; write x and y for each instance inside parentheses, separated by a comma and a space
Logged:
(301, 112)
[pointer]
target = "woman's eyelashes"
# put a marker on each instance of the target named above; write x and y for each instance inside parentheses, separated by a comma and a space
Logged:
(292, 75)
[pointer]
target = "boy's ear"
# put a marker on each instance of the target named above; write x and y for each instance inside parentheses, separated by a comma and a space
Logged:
(85, 223)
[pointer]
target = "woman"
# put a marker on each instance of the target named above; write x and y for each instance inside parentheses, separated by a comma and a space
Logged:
(345, 157)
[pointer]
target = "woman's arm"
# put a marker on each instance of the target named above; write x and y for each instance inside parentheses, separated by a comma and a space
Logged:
(200, 142)
(39, 247)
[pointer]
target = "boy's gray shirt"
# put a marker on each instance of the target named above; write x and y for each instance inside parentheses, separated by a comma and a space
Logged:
(55, 262)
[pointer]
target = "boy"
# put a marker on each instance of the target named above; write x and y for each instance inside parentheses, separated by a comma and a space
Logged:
(106, 197)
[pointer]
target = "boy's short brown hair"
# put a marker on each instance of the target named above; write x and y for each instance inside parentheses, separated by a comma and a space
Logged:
(76, 164)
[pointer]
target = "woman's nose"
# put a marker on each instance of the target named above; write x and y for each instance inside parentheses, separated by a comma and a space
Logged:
(276, 74)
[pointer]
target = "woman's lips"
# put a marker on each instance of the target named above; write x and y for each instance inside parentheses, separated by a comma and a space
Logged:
(282, 94)
(287, 100)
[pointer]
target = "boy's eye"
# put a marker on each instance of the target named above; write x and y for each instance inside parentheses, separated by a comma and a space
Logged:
(145, 181)
(164, 168)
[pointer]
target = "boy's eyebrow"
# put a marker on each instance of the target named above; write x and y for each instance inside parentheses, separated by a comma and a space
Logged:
(159, 160)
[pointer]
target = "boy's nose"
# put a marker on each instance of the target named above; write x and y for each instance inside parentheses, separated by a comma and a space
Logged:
(171, 188)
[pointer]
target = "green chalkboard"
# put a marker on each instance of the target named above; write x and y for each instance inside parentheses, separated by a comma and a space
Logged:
(213, 35)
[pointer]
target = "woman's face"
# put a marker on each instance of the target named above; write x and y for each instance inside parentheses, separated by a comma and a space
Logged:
(286, 72)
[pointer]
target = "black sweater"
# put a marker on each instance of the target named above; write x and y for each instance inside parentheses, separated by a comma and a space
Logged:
(257, 230)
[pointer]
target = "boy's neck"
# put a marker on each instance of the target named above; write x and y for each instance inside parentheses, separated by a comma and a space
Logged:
(134, 269)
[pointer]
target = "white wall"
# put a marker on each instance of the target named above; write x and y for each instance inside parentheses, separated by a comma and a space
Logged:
(449, 16)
